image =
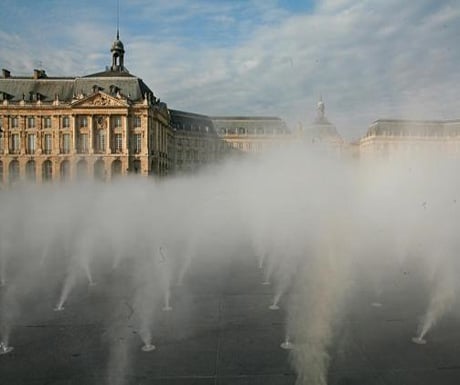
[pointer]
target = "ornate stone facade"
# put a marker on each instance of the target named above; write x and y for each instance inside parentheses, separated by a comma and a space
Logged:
(98, 126)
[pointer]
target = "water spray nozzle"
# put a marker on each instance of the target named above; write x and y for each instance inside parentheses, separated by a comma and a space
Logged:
(148, 348)
(419, 341)
(4, 349)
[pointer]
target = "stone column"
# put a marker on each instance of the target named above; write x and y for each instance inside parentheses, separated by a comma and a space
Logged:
(22, 134)
(73, 127)
(108, 145)
(90, 135)
(125, 135)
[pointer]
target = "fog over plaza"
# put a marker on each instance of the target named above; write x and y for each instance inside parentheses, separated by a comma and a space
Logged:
(326, 236)
(347, 249)
(369, 59)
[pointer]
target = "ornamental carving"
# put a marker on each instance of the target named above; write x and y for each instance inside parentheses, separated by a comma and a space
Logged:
(99, 122)
(103, 101)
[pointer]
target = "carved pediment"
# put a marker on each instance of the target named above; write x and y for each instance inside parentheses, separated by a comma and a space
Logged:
(100, 99)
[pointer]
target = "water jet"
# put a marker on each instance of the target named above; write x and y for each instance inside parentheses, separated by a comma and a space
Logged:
(418, 340)
(4, 349)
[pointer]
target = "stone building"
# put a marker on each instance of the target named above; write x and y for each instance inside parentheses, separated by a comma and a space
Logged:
(195, 142)
(397, 139)
(96, 126)
(321, 134)
(109, 124)
(252, 134)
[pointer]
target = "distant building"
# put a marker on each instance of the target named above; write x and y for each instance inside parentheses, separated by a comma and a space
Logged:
(321, 133)
(195, 142)
(396, 139)
(252, 134)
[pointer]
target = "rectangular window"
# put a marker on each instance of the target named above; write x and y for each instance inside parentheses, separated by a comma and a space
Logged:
(31, 141)
(117, 143)
(137, 143)
(15, 143)
(47, 122)
(117, 122)
(65, 122)
(14, 122)
(30, 122)
(137, 121)
(66, 143)
(100, 141)
(47, 145)
(83, 143)
(83, 121)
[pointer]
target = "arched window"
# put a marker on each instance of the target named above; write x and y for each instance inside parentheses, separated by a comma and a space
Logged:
(47, 171)
(137, 166)
(64, 170)
(13, 171)
(82, 169)
(30, 171)
(99, 170)
(116, 168)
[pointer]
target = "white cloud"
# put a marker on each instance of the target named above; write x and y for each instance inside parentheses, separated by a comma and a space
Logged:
(371, 59)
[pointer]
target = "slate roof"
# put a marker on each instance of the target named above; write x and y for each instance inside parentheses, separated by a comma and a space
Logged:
(188, 121)
(384, 127)
(17, 88)
(250, 123)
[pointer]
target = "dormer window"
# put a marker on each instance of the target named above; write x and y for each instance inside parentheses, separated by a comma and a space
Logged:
(96, 88)
(4, 96)
(114, 89)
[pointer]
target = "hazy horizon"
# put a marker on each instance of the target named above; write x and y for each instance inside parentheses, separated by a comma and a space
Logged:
(369, 60)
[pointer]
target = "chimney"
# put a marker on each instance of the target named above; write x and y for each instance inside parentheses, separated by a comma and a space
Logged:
(39, 74)
(6, 73)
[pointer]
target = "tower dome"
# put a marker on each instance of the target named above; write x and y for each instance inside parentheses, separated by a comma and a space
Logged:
(320, 117)
(117, 45)
(118, 53)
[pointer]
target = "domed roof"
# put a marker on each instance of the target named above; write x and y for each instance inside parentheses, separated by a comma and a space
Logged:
(117, 45)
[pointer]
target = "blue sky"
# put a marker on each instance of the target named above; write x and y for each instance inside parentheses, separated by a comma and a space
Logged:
(369, 59)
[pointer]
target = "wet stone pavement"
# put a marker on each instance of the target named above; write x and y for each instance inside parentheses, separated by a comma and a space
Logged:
(220, 332)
